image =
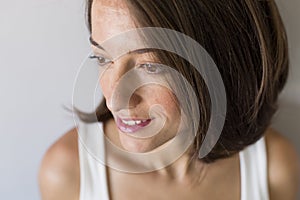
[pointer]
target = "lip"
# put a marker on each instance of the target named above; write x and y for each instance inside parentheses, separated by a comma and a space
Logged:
(131, 128)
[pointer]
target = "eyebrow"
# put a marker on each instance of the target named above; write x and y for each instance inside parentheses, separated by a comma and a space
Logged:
(139, 51)
(93, 42)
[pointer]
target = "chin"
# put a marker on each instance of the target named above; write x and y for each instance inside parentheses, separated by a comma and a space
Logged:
(135, 145)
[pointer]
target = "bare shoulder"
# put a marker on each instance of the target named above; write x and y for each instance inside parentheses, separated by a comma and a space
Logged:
(59, 174)
(283, 167)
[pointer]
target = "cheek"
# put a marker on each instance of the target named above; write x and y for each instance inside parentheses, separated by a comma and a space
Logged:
(172, 108)
(104, 86)
(168, 101)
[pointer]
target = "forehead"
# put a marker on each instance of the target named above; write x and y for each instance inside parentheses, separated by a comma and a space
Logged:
(115, 5)
(110, 18)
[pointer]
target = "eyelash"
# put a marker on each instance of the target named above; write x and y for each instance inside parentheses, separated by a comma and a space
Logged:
(143, 65)
(102, 64)
(146, 65)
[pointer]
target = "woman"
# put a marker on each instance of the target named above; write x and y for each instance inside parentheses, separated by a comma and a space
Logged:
(247, 41)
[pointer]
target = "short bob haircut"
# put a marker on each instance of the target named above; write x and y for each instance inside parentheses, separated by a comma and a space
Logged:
(247, 41)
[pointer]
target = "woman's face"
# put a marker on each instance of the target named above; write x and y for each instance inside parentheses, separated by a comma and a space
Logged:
(110, 18)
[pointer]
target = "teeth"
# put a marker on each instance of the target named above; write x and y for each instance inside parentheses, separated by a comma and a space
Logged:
(138, 121)
(132, 122)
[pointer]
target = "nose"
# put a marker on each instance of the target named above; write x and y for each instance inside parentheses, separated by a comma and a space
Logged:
(118, 86)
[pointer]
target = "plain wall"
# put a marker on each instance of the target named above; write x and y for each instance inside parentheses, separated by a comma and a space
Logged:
(42, 44)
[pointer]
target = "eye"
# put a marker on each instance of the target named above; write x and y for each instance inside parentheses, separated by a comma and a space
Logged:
(151, 68)
(101, 60)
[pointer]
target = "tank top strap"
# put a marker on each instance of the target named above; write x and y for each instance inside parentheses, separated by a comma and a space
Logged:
(253, 169)
(93, 174)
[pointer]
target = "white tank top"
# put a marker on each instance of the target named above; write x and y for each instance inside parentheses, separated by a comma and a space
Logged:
(93, 179)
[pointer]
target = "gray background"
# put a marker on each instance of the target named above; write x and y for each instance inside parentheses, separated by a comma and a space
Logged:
(42, 44)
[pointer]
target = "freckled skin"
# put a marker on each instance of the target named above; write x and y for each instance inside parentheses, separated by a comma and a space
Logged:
(108, 20)
(59, 175)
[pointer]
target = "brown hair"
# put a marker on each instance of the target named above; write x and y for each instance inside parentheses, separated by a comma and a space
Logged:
(247, 41)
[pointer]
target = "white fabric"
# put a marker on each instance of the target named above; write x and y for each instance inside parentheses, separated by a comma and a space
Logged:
(253, 166)
(93, 178)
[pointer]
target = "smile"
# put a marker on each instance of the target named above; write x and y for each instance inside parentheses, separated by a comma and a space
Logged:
(131, 125)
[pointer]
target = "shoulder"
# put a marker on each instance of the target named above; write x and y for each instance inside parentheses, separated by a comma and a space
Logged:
(59, 174)
(283, 166)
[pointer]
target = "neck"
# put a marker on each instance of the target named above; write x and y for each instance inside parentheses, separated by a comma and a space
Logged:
(184, 170)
